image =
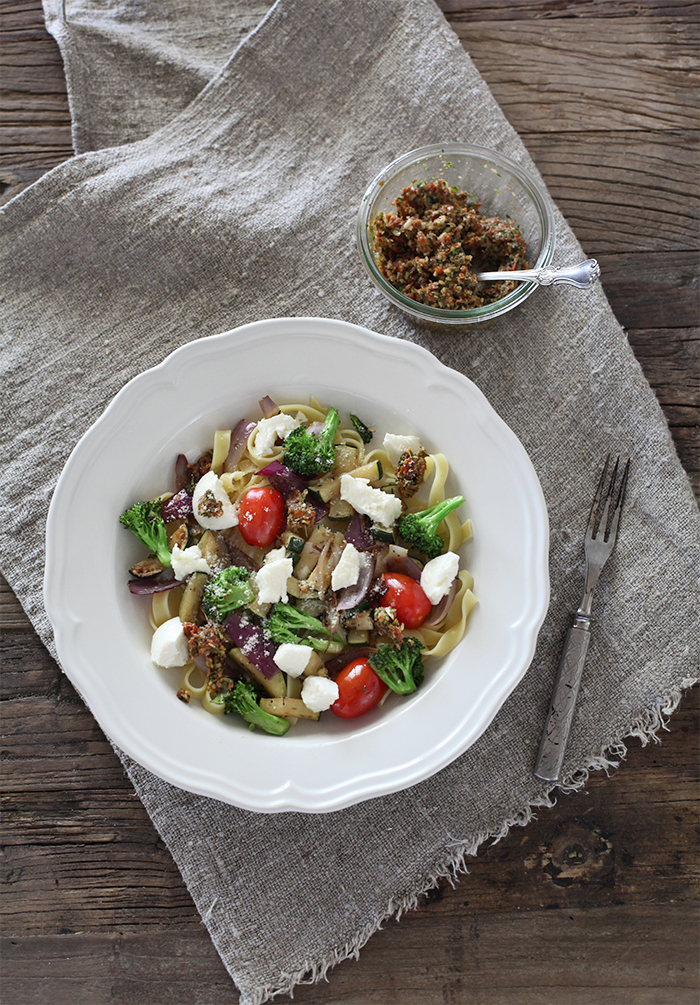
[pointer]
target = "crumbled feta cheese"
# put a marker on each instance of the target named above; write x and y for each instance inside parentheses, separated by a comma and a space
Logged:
(211, 505)
(269, 430)
(169, 645)
(380, 507)
(319, 693)
(271, 580)
(438, 574)
(188, 560)
(395, 445)
(347, 571)
(292, 659)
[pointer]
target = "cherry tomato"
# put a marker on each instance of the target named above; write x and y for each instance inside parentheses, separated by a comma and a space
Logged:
(261, 516)
(360, 690)
(409, 599)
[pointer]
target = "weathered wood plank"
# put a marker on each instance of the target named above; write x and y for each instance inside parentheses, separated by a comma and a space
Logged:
(649, 291)
(560, 76)
(623, 191)
(11, 613)
(493, 10)
(52, 139)
(670, 359)
(528, 957)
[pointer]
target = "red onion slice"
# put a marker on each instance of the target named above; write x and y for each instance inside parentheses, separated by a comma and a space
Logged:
(351, 596)
(442, 607)
(254, 643)
(182, 474)
(375, 594)
(358, 533)
(287, 482)
(177, 507)
(268, 407)
(339, 662)
(402, 564)
(282, 478)
(239, 438)
(144, 587)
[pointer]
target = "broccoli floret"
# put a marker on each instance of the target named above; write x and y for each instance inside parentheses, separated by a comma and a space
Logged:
(364, 431)
(419, 530)
(244, 700)
(400, 667)
(312, 454)
(288, 624)
(226, 591)
(146, 522)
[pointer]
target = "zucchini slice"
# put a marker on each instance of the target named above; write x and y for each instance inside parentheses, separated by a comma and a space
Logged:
(288, 708)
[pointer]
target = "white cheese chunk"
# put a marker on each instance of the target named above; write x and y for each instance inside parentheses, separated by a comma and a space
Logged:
(188, 560)
(269, 430)
(210, 497)
(395, 445)
(319, 693)
(169, 645)
(380, 507)
(438, 574)
(292, 659)
(271, 580)
(347, 571)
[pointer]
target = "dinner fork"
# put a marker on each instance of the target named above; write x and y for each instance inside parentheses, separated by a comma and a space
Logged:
(601, 535)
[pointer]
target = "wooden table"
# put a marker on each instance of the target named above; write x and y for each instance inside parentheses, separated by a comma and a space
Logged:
(594, 902)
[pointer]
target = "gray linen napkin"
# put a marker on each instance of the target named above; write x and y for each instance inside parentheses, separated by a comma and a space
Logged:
(242, 207)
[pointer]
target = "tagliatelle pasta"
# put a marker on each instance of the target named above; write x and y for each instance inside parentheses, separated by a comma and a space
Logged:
(303, 555)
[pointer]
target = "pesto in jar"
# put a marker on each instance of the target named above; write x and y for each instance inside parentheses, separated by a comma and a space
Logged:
(435, 241)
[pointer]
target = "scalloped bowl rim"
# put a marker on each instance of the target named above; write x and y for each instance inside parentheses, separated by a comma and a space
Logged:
(102, 634)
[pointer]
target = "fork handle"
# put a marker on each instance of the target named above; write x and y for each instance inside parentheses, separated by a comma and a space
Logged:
(561, 710)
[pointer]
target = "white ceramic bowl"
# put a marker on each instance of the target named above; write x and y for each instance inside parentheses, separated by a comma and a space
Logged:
(102, 630)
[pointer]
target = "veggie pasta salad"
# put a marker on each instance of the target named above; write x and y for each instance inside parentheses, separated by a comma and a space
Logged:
(298, 567)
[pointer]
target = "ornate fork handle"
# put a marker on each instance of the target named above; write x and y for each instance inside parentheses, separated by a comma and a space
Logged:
(581, 276)
(561, 710)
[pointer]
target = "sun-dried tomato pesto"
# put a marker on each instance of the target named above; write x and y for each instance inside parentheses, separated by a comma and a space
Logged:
(435, 241)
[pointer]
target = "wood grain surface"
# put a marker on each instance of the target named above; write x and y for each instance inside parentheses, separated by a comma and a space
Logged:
(594, 902)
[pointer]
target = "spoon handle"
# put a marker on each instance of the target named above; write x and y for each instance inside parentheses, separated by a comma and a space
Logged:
(582, 276)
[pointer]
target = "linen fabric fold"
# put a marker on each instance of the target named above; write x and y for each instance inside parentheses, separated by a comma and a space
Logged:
(241, 205)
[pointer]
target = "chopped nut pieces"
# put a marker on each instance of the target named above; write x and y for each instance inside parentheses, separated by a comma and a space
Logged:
(431, 247)
(410, 472)
(300, 512)
(386, 623)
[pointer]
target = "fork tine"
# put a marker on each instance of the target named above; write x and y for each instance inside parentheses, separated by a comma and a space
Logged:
(603, 525)
(596, 502)
(618, 505)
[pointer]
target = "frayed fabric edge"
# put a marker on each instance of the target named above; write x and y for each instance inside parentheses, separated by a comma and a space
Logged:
(645, 729)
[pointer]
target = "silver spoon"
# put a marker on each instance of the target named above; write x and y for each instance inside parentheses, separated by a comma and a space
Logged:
(582, 276)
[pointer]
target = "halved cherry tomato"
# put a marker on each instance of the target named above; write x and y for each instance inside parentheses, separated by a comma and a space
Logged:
(360, 690)
(261, 516)
(407, 596)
